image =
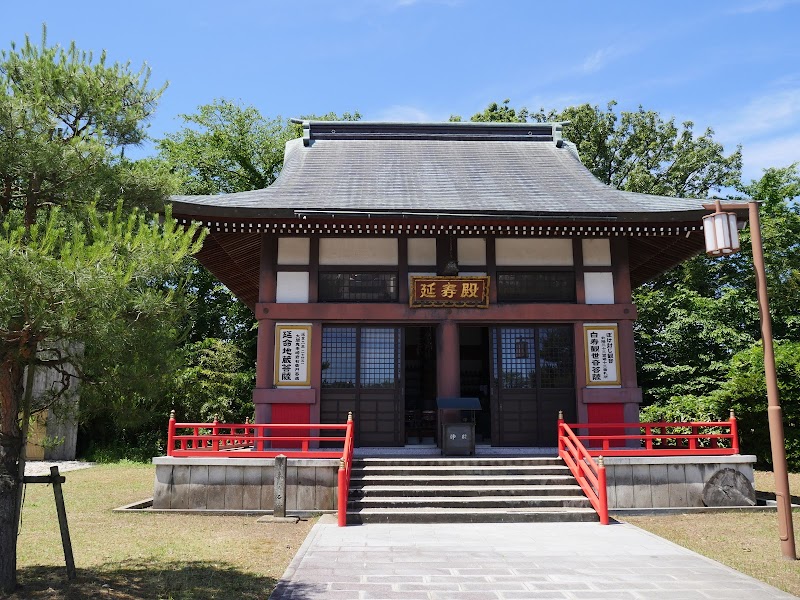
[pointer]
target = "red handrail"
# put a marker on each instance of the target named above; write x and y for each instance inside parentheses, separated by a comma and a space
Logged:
(227, 438)
(345, 468)
(655, 439)
(249, 440)
(590, 475)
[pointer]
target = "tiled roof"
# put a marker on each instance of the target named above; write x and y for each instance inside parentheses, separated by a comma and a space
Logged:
(456, 168)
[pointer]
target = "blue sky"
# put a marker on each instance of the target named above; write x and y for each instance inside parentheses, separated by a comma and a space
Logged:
(732, 65)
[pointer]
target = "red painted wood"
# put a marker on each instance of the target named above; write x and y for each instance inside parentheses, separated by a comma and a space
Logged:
(267, 278)
(618, 438)
(448, 361)
(606, 413)
(399, 313)
(627, 355)
(577, 261)
(620, 265)
(316, 372)
(590, 475)
(291, 413)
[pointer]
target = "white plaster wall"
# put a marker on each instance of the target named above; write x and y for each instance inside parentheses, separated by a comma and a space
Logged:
(292, 287)
(471, 251)
(599, 288)
(358, 251)
(596, 253)
(422, 251)
(294, 250)
(523, 252)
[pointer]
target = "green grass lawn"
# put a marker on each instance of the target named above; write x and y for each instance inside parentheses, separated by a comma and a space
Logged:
(748, 542)
(134, 556)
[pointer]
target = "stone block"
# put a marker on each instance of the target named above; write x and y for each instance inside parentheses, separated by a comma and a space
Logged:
(291, 487)
(279, 486)
(729, 487)
(306, 488)
(676, 476)
(215, 498)
(642, 493)
(659, 486)
(161, 487)
(623, 482)
(198, 486)
(234, 481)
(695, 482)
(251, 488)
(611, 489)
(326, 480)
(180, 488)
(267, 492)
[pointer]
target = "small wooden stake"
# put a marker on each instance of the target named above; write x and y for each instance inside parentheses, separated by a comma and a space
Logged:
(62, 522)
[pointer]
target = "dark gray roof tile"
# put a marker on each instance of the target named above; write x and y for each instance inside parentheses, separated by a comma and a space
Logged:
(438, 173)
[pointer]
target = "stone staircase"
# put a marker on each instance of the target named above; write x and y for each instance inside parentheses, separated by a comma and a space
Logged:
(464, 490)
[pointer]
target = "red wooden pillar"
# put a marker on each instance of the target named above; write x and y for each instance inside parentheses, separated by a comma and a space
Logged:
(448, 363)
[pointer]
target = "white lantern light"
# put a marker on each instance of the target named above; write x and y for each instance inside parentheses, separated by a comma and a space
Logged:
(721, 233)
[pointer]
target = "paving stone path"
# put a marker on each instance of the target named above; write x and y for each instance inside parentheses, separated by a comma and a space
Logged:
(42, 467)
(575, 561)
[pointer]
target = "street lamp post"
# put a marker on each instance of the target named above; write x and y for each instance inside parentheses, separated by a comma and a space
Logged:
(722, 238)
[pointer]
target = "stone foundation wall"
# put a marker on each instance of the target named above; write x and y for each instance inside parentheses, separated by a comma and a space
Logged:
(669, 481)
(243, 484)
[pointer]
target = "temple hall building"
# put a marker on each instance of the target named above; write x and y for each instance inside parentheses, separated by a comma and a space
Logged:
(391, 264)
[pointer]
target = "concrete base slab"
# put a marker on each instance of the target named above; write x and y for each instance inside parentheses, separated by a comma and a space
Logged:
(498, 561)
(274, 519)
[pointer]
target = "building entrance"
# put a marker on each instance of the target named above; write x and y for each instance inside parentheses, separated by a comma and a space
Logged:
(420, 385)
(361, 372)
(476, 376)
(533, 377)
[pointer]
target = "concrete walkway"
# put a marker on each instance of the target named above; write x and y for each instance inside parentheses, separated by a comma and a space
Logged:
(504, 561)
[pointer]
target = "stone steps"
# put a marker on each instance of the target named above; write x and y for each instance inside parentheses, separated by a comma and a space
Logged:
(468, 490)
(465, 470)
(478, 502)
(459, 461)
(556, 489)
(470, 515)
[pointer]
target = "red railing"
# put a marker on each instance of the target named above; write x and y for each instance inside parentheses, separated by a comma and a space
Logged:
(591, 475)
(251, 441)
(345, 467)
(711, 438)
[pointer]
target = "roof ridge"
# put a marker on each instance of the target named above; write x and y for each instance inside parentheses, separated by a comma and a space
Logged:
(448, 130)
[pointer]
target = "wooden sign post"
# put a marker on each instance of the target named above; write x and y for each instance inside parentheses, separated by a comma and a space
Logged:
(56, 479)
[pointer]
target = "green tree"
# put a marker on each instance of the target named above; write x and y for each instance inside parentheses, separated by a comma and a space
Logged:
(695, 318)
(744, 389)
(64, 281)
(212, 382)
(65, 118)
(222, 148)
(82, 274)
(635, 151)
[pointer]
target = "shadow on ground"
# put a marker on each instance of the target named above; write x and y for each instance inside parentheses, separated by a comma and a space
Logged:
(771, 496)
(140, 580)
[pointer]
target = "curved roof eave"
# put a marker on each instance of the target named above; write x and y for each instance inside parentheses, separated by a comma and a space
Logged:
(395, 171)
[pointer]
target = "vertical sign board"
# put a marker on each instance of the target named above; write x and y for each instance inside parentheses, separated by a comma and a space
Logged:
(292, 352)
(602, 359)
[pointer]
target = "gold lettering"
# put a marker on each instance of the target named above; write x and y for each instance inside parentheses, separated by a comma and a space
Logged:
(449, 290)
(427, 290)
(469, 290)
